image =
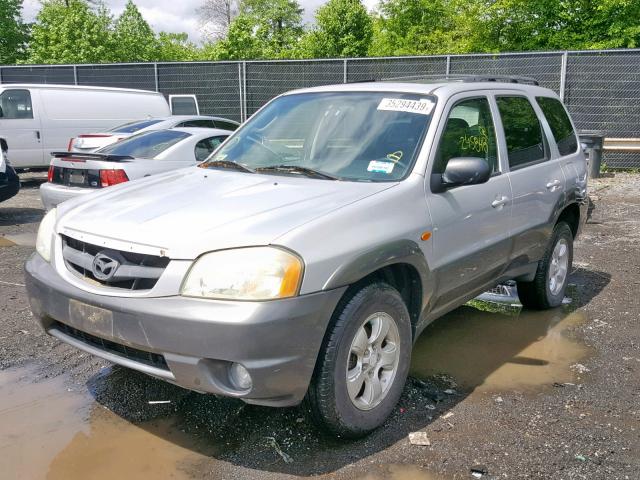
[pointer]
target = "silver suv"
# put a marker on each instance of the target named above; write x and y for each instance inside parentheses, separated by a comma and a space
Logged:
(303, 259)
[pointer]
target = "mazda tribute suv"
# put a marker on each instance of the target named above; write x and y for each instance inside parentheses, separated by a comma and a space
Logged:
(305, 256)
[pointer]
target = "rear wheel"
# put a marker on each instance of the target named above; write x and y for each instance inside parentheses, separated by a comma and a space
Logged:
(548, 286)
(364, 361)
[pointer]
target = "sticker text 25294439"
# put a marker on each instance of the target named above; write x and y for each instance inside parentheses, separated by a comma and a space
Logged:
(424, 106)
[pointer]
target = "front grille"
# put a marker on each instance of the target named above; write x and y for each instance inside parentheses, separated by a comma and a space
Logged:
(76, 177)
(135, 271)
(140, 356)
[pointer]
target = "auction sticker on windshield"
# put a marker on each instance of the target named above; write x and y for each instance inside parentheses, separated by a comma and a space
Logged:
(380, 167)
(424, 106)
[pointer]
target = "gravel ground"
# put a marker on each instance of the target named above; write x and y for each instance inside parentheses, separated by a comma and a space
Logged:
(584, 427)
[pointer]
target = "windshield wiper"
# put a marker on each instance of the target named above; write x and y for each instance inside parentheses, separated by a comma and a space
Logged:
(227, 164)
(309, 172)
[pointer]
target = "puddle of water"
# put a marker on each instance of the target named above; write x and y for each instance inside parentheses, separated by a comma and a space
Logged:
(48, 432)
(27, 239)
(5, 242)
(505, 349)
(402, 472)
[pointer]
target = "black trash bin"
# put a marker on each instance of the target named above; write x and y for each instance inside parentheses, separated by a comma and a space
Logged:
(593, 142)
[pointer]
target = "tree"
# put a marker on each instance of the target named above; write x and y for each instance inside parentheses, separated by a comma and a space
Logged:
(134, 39)
(14, 31)
(174, 47)
(409, 27)
(70, 31)
(215, 17)
(263, 29)
(343, 29)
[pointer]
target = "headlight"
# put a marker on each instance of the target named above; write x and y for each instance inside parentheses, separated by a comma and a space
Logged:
(45, 235)
(254, 273)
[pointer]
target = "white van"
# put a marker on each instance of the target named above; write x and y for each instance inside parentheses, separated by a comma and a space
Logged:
(39, 119)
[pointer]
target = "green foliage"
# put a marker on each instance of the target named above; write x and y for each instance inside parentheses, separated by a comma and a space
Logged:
(13, 36)
(263, 29)
(71, 32)
(175, 47)
(134, 41)
(409, 27)
(343, 29)
(78, 31)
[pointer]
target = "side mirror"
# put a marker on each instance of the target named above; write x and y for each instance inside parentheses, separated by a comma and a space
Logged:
(461, 171)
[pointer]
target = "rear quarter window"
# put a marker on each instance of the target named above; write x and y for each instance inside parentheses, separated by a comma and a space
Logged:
(560, 124)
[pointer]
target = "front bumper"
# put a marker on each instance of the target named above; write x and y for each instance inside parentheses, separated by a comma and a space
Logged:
(277, 341)
(52, 195)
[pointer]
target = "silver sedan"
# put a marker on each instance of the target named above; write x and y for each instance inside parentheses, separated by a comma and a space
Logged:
(76, 173)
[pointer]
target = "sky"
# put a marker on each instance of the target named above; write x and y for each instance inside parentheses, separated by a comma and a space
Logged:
(173, 15)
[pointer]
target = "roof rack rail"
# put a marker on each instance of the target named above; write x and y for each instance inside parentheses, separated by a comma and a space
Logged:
(464, 78)
(499, 78)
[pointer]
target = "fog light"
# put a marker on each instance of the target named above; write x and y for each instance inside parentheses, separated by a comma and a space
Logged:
(240, 376)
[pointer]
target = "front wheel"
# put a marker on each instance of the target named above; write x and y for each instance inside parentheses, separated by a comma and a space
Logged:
(363, 363)
(548, 286)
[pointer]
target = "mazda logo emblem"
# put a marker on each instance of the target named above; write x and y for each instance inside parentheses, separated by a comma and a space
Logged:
(104, 266)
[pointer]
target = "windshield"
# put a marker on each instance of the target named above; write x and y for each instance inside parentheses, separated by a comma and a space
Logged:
(358, 136)
(133, 127)
(146, 144)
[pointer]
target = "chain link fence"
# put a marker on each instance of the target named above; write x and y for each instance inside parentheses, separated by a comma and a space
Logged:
(601, 88)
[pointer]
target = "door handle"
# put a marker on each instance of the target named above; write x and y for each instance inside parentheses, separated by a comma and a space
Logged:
(38, 134)
(499, 202)
(552, 185)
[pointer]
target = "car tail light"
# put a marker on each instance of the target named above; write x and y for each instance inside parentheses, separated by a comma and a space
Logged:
(50, 174)
(112, 177)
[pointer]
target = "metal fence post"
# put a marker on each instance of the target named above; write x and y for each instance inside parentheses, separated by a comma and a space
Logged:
(240, 91)
(448, 72)
(75, 75)
(155, 75)
(344, 71)
(563, 75)
(0, 74)
(244, 91)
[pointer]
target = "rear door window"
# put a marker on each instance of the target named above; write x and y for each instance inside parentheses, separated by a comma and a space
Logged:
(183, 105)
(15, 104)
(469, 132)
(560, 124)
(225, 125)
(522, 130)
(146, 144)
(197, 124)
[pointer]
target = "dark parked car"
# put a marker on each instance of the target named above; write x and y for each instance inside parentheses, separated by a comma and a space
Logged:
(9, 181)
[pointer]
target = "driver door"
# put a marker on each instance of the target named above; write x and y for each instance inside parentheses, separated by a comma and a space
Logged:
(471, 241)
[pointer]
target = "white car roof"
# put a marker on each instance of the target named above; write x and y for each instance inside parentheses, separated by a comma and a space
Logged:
(52, 86)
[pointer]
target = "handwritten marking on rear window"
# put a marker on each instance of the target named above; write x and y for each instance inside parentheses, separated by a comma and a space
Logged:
(424, 106)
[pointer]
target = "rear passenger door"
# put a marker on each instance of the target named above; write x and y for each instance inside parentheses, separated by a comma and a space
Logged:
(537, 178)
(566, 147)
(471, 242)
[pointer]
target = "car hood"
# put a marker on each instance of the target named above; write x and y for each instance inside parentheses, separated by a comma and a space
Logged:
(187, 212)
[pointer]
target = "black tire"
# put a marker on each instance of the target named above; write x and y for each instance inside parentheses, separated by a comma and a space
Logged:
(328, 399)
(537, 294)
